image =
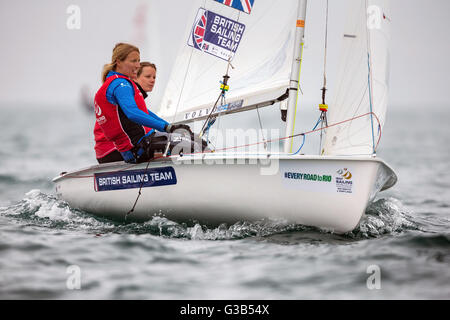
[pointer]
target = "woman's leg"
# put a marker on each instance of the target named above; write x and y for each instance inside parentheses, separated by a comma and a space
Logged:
(111, 157)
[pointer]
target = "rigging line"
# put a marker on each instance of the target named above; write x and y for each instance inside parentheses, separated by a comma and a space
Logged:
(218, 131)
(324, 89)
(224, 89)
(219, 118)
(213, 121)
(210, 115)
(139, 193)
(185, 77)
(369, 62)
(233, 42)
(261, 126)
(225, 81)
(182, 87)
(304, 136)
(208, 140)
(370, 102)
(323, 117)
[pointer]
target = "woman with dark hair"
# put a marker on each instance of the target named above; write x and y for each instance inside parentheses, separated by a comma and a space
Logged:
(123, 122)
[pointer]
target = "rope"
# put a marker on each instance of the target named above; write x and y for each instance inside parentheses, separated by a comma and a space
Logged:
(320, 120)
(209, 116)
(370, 103)
(182, 87)
(323, 107)
(139, 194)
(261, 127)
(184, 80)
(223, 89)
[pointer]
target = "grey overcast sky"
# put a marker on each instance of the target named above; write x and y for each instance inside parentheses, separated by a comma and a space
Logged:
(43, 62)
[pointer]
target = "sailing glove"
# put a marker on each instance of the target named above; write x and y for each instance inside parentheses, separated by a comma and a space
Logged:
(133, 157)
(170, 128)
(128, 157)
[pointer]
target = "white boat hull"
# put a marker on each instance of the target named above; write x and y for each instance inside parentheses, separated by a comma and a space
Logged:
(326, 192)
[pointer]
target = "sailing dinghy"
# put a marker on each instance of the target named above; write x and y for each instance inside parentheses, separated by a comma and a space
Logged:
(255, 49)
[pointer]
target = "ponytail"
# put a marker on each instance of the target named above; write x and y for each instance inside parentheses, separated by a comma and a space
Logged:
(106, 69)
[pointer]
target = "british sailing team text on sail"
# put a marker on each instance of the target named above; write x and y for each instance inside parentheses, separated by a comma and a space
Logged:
(229, 32)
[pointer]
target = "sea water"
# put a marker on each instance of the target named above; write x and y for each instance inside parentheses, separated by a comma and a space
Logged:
(48, 250)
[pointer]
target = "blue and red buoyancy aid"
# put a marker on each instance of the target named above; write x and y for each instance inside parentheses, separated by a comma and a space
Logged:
(113, 130)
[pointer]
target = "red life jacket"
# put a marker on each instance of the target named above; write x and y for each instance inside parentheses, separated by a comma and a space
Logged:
(112, 129)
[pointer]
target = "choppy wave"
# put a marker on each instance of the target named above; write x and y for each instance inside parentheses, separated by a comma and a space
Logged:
(44, 210)
(385, 216)
(195, 231)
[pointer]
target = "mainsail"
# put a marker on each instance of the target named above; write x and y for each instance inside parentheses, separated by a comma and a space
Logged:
(362, 86)
(259, 46)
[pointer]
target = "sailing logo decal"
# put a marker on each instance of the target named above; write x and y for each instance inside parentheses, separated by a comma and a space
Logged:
(153, 177)
(216, 34)
(345, 173)
(97, 109)
(199, 31)
(318, 178)
(344, 183)
(99, 118)
(242, 5)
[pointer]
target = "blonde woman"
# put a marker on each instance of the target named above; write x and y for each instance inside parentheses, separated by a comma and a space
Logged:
(122, 118)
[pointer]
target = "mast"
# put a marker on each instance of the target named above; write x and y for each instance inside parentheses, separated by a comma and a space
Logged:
(295, 74)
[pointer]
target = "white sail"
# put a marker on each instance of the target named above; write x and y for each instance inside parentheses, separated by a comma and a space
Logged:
(358, 92)
(262, 62)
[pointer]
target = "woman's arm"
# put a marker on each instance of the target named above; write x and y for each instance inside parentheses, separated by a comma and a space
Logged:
(124, 95)
(154, 115)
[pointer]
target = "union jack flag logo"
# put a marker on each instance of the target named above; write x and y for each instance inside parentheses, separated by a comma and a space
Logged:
(242, 5)
(199, 30)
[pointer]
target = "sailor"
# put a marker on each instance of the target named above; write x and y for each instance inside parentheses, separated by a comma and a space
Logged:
(121, 114)
(145, 81)
(146, 78)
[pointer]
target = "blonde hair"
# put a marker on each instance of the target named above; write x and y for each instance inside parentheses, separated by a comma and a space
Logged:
(145, 64)
(120, 53)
